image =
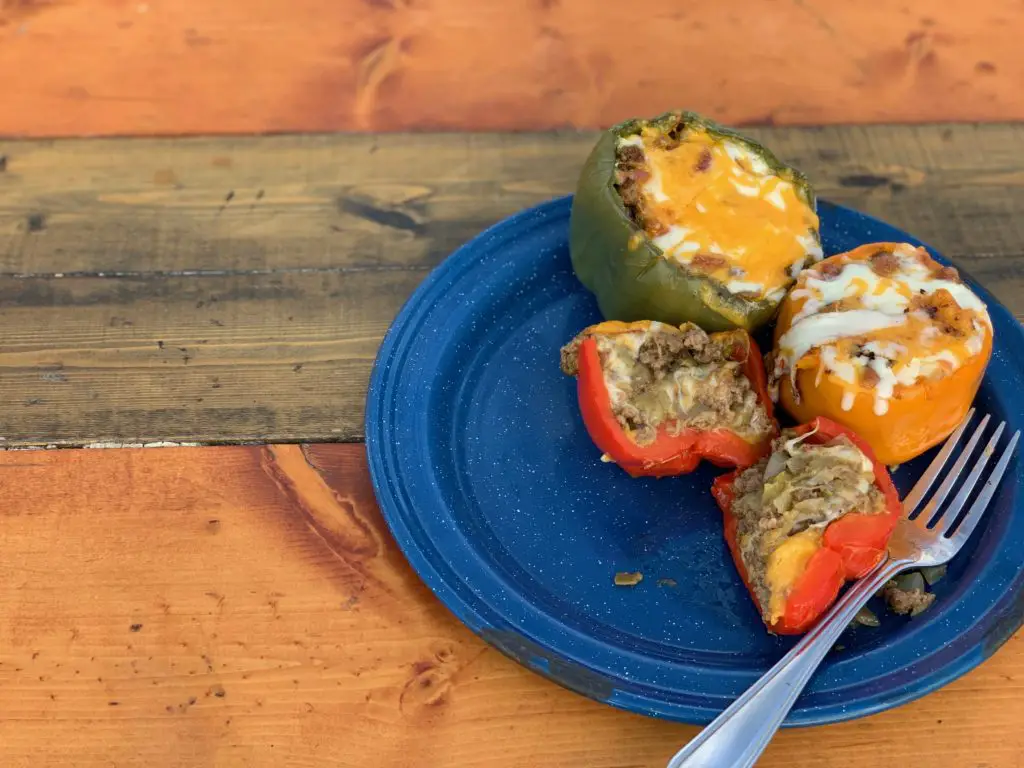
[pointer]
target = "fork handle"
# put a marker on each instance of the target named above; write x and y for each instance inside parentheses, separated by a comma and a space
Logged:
(737, 737)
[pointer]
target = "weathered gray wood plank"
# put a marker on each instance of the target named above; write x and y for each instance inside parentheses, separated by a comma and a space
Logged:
(269, 267)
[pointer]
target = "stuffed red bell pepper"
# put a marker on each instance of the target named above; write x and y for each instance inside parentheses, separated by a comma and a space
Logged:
(818, 511)
(657, 399)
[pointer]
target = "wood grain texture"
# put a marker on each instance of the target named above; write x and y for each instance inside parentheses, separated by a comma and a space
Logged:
(89, 67)
(246, 606)
(236, 289)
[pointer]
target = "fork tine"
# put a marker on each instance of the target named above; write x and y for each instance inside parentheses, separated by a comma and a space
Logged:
(952, 476)
(948, 517)
(925, 483)
(970, 521)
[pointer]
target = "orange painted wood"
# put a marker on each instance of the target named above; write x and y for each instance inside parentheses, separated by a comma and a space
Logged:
(247, 607)
(86, 67)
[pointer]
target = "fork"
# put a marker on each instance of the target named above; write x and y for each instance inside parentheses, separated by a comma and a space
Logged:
(927, 535)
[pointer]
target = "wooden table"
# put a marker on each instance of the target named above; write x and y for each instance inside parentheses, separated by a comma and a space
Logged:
(244, 604)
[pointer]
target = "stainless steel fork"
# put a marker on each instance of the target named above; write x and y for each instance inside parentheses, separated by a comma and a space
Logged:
(928, 534)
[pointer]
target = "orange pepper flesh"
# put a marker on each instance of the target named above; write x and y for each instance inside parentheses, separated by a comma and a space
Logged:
(919, 417)
(669, 454)
(851, 545)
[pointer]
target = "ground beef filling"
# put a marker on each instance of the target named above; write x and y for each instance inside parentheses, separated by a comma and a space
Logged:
(940, 306)
(631, 173)
(676, 379)
(800, 487)
(908, 602)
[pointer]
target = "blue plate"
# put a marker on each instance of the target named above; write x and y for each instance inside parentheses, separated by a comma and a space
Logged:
(496, 495)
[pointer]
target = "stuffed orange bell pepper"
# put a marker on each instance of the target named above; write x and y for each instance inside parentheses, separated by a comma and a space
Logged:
(886, 341)
(657, 399)
(818, 511)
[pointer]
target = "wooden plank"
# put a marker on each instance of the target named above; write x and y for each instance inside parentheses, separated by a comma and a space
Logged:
(270, 304)
(345, 201)
(258, 203)
(247, 606)
(254, 66)
(233, 357)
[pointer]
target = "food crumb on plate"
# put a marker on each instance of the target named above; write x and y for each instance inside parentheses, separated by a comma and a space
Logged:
(628, 578)
(908, 598)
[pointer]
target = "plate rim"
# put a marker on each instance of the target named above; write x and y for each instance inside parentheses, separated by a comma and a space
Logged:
(1000, 622)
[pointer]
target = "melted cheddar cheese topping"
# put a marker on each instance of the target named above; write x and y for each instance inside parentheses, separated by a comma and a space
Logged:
(785, 566)
(716, 207)
(881, 324)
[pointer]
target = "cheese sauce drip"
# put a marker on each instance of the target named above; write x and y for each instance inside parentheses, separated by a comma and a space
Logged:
(882, 323)
(719, 209)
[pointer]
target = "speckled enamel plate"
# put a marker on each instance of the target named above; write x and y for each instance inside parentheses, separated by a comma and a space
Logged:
(497, 496)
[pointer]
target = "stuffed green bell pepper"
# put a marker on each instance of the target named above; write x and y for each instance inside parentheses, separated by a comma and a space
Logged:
(677, 219)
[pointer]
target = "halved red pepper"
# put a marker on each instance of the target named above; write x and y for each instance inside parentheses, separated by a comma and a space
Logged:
(669, 454)
(851, 545)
